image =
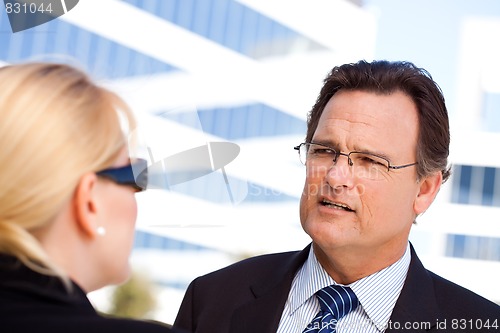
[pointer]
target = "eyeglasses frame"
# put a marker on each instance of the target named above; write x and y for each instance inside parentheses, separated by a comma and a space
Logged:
(125, 175)
(348, 155)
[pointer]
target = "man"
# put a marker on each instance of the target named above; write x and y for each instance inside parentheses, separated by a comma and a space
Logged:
(376, 155)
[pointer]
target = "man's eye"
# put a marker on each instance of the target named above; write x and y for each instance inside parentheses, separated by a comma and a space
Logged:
(322, 151)
(365, 159)
(368, 159)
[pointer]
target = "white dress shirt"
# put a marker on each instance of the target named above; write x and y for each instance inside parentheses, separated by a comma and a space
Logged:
(377, 295)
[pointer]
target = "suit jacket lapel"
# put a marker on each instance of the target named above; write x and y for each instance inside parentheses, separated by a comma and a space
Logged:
(264, 312)
(417, 302)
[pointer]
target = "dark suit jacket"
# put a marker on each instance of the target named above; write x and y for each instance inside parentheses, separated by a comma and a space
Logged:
(32, 302)
(249, 297)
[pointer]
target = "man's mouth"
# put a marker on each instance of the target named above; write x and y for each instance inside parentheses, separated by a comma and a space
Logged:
(336, 205)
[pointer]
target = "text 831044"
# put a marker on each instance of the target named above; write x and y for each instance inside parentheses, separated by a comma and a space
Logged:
(25, 8)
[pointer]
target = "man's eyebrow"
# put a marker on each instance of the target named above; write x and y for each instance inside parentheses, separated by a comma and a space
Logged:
(356, 148)
(327, 143)
(373, 152)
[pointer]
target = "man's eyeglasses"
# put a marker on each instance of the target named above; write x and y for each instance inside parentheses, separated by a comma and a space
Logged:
(134, 175)
(365, 165)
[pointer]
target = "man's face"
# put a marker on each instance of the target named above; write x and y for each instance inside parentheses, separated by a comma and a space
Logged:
(380, 211)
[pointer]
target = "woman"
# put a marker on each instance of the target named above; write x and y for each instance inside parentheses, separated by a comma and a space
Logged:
(67, 200)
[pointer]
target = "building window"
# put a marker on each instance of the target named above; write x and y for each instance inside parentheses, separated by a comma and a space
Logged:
(476, 185)
(473, 247)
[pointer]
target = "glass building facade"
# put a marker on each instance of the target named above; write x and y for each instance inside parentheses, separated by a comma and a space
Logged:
(256, 94)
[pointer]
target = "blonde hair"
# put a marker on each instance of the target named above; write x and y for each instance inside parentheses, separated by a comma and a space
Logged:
(55, 126)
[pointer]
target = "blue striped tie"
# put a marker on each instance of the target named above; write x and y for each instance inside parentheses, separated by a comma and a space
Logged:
(335, 302)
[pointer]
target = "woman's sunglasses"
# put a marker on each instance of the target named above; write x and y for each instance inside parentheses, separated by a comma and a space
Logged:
(135, 174)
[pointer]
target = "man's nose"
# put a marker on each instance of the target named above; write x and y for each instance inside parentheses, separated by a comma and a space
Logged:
(340, 172)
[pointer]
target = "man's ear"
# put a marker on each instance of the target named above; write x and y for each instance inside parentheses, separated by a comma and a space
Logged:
(85, 205)
(428, 189)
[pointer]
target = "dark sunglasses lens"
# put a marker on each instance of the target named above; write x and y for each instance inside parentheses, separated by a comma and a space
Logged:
(139, 170)
(135, 175)
(141, 180)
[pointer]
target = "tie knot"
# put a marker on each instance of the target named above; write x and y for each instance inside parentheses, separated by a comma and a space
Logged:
(337, 300)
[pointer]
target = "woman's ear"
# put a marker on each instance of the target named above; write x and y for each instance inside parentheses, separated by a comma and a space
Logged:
(428, 189)
(85, 205)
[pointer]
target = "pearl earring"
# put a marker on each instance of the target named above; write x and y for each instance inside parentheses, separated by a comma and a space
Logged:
(101, 231)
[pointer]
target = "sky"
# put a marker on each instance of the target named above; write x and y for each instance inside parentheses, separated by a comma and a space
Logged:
(427, 33)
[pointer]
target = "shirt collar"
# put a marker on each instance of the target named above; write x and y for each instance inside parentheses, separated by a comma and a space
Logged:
(310, 278)
(383, 286)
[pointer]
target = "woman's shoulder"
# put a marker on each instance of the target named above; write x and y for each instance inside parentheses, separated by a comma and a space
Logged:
(33, 302)
(80, 324)
(123, 325)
